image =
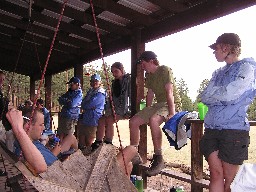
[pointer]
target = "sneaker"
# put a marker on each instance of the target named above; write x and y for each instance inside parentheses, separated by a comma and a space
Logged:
(96, 145)
(156, 165)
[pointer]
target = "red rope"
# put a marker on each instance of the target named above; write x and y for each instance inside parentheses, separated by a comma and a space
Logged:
(48, 56)
(108, 85)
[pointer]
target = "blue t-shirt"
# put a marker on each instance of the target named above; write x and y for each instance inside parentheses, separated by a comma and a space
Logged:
(49, 157)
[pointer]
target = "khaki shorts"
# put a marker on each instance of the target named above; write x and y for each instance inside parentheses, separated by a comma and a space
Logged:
(160, 109)
(66, 126)
(87, 131)
(232, 145)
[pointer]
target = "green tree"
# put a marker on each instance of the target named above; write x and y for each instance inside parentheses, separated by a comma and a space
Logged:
(187, 104)
(202, 86)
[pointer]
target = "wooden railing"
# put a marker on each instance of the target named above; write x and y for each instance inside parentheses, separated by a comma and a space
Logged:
(196, 177)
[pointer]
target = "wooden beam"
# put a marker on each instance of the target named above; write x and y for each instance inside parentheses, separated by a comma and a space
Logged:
(47, 20)
(174, 6)
(198, 15)
(125, 12)
(82, 17)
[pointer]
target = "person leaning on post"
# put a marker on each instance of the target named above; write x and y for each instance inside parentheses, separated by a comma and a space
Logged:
(228, 95)
(70, 101)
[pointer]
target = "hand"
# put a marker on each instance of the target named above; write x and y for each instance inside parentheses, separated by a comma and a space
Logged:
(168, 117)
(15, 118)
(57, 149)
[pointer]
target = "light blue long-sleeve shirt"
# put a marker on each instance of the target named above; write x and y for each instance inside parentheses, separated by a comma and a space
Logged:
(93, 106)
(228, 95)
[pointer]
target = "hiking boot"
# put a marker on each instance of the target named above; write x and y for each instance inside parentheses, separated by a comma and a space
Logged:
(156, 165)
(108, 142)
(136, 160)
(96, 145)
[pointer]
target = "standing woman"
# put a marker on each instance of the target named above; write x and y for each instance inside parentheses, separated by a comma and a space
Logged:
(92, 108)
(121, 95)
(228, 95)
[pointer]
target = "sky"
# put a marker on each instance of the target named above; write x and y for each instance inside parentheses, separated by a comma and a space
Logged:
(188, 53)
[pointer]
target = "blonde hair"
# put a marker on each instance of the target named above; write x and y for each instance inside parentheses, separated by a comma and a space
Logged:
(233, 49)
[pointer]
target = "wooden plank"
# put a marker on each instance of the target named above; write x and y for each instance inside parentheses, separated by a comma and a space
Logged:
(181, 176)
(7, 154)
(100, 169)
(196, 156)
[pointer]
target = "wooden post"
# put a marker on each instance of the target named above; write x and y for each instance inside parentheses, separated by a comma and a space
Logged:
(32, 88)
(137, 94)
(196, 156)
(48, 92)
(78, 71)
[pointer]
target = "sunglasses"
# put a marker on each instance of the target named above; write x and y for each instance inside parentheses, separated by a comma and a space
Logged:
(26, 119)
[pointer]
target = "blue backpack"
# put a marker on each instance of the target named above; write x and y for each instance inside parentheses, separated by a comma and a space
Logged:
(177, 126)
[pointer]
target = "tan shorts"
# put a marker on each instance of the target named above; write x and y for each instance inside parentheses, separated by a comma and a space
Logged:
(66, 126)
(87, 131)
(160, 109)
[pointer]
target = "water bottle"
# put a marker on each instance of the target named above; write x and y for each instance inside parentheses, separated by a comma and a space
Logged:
(173, 189)
(133, 179)
(139, 184)
(179, 189)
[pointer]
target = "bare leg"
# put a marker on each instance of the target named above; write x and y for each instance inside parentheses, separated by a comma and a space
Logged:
(216, 173)
(109, 128)
(89, 140)
(154, 122)
(134, 125)
(129, 152)
(230, 172)
(101, 129)
(81, 140)
(69, 142)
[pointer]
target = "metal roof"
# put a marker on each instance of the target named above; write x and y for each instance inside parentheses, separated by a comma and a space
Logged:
(76, 42)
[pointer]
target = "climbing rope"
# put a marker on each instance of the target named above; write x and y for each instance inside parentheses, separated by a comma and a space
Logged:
(108, 84)
(48, 56)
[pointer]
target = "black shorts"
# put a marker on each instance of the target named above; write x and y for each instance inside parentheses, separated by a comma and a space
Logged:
(232, 145)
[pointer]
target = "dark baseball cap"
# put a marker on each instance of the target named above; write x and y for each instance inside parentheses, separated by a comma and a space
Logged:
(146, 55)
(74, 80)
(227, 38)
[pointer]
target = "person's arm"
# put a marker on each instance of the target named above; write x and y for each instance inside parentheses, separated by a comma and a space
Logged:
(97, 100)
(30, 152)
(231, 92)
(75, 99)
(63, 99)
(149, 97)
(170, 99)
